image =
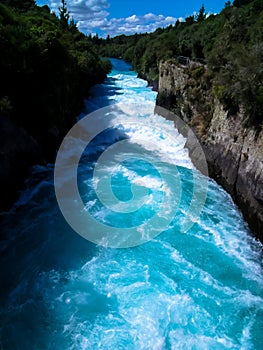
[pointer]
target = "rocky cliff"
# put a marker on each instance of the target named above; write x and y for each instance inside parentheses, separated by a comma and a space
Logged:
(234, 150)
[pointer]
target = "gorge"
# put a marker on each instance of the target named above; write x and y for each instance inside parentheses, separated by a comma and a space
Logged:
(131, 193)
(198, 289)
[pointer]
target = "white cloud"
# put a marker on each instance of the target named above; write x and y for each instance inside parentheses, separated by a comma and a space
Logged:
(137, 24)
(132, 19)
(84, 11)
(93, 16)
(150, 16)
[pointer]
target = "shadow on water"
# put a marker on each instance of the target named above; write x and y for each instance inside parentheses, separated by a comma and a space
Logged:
(42, 256)
(102, 95)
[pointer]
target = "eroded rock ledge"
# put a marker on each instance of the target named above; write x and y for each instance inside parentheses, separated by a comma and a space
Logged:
(234, 151)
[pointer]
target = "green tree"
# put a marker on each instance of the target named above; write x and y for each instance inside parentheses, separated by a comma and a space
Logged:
(73, 27)
(63, 14)
(190, 19)
(201, 15)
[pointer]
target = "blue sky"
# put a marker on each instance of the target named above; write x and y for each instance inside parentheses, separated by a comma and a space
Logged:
(116, 17)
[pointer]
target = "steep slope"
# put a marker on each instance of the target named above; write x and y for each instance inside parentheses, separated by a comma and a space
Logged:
(233, 148)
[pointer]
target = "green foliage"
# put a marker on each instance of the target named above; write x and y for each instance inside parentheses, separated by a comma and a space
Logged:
(239, 3)
(196, 73)
(63, 14)
(230, 44)
(46, 68)
(22, 5)
(219, 91)
(201, 15)
(224, 96)
(190, 19)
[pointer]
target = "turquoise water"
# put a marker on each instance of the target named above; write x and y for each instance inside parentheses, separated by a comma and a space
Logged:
(201, 289)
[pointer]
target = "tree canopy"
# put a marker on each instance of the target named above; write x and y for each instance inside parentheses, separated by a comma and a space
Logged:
(46, 65)
(230, 45)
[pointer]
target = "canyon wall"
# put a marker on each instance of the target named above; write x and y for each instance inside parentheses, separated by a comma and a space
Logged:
(233, 149)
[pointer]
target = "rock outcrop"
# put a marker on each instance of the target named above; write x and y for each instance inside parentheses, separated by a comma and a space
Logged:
(233, 150)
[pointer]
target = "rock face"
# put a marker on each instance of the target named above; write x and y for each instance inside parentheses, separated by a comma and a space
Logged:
(235, 158)
(234, 152)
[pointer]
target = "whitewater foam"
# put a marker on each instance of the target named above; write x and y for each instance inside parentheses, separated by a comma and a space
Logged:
(197, 290)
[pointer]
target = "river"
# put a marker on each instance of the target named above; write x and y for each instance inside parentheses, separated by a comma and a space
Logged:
(199, 287)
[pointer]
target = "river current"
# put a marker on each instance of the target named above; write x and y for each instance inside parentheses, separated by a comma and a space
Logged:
(198, 288)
